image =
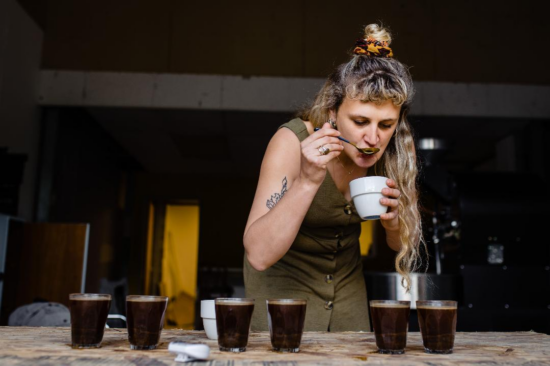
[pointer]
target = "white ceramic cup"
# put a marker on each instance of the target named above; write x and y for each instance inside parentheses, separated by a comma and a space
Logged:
(208, 315)
(366, 193)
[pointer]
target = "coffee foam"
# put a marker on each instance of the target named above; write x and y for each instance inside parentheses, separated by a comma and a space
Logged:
(147, 299)
(236, 303)
(89, 297)
(435, 307)
(383, 305)
(287, 302)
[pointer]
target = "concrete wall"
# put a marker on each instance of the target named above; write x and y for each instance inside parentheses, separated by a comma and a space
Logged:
(275, 94)
(465, 41)
(20, 53)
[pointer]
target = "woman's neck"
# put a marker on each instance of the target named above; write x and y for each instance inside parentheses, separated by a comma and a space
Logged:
(343, 173)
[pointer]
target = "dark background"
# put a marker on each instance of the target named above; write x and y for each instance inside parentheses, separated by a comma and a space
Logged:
(102, 165)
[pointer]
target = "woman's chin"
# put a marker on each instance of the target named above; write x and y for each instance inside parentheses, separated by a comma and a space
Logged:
(366, 161)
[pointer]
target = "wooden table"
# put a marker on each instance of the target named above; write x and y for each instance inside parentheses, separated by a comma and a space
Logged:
(51, 346)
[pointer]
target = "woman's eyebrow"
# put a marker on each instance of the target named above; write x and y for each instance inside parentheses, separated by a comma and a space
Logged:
(356, 116)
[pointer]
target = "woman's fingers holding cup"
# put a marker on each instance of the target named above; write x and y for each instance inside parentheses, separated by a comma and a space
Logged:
(389, 219)
(390, 199)
(391, 183)
(391, 203)
(391, 192)
(390, 215)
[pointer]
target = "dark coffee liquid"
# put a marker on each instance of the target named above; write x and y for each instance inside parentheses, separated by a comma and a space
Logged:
(88, 318)
(390, 323)
(286, 324)
(438, 327)
(233, 324)
(145, 322)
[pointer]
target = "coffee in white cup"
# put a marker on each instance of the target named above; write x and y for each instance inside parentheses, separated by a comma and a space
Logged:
(366, 193)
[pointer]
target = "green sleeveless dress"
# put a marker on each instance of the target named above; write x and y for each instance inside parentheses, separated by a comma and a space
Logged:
(323, 265)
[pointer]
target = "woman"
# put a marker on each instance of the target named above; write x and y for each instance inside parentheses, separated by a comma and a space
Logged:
(302, 235)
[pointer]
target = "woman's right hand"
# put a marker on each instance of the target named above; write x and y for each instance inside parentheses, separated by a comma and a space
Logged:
(291, 173)
(313, 163)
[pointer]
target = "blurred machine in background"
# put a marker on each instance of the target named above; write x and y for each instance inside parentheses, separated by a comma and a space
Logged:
(504, 252)
(486, 238)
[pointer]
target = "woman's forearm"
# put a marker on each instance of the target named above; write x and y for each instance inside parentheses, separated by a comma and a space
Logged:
(393, 239)
(269, 238)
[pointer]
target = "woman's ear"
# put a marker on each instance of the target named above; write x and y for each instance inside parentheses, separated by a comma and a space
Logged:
(332, 119)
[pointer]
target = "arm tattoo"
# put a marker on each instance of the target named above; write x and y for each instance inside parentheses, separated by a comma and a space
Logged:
(277, 197)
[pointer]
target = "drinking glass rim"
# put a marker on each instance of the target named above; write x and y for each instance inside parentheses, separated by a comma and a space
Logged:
(437, 303)
(246, 300)
(91, 296)
(287, 301)
(391, 302)
(151, 298)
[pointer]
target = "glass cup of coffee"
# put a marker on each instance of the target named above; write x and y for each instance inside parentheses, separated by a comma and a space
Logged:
(233, 316)
(88, 317)
(285, 318)
(437, 320)
(145, 319)
(390, 320)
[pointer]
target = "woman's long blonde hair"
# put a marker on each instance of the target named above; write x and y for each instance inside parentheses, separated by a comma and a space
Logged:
(378, 79)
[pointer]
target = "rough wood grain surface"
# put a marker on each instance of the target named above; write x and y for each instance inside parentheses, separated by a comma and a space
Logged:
(51, 346)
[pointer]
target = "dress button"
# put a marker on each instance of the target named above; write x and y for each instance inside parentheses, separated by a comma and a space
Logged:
(339, 235)
(329, 278)
(329, 305)
(347, 209)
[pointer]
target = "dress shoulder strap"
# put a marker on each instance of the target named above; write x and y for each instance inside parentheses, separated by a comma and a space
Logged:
(298, 127)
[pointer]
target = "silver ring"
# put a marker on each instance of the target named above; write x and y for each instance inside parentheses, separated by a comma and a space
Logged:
(323, 150)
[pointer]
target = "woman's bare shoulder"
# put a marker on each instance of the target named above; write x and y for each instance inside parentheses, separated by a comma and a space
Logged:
(283, 145)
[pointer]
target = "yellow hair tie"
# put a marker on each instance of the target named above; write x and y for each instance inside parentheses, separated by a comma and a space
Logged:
(373, 48)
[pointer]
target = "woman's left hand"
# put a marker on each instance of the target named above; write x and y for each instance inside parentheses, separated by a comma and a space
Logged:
(390, 220)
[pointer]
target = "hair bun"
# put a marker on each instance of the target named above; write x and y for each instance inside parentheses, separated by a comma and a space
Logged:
(375, 44)
(378, 33)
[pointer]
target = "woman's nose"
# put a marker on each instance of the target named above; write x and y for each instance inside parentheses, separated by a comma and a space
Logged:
(371, 137)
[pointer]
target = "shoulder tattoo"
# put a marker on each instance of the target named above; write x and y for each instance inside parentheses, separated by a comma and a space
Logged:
(277, 196)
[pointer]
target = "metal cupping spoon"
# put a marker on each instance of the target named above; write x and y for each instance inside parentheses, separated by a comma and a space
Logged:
(366, 151)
